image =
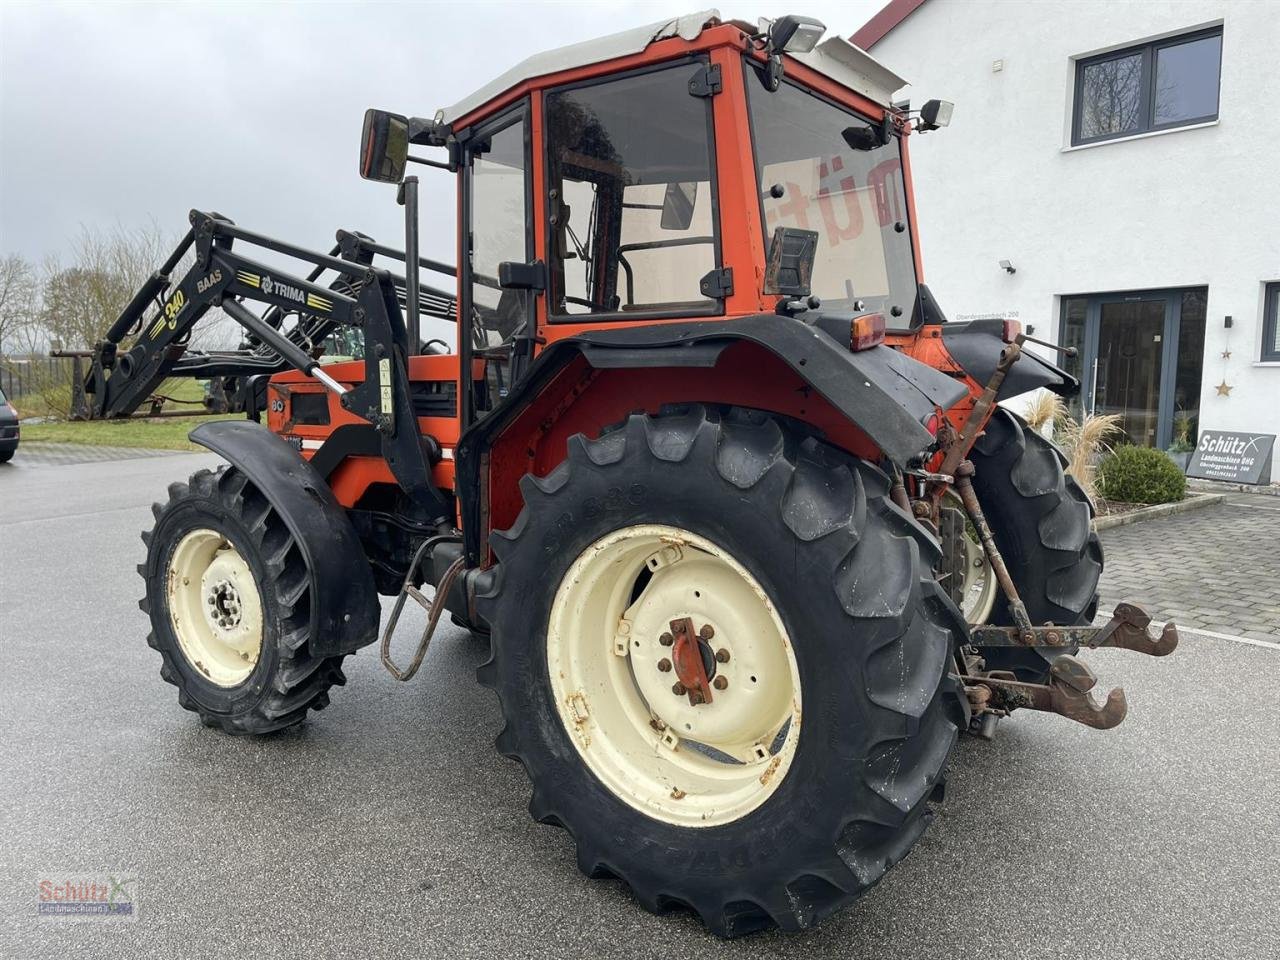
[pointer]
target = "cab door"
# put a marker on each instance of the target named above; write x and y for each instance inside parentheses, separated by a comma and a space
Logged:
(496, 327)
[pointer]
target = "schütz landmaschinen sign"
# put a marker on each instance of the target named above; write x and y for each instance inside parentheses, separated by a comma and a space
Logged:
(1237, 457)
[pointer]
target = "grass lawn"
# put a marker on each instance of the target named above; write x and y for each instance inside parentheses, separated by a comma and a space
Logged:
(167, 433)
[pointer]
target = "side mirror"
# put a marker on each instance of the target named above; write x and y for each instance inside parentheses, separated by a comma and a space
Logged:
(677, 206)
(384, 146)
(935, 114)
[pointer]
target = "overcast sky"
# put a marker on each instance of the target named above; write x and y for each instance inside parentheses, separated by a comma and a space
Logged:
(114, 113)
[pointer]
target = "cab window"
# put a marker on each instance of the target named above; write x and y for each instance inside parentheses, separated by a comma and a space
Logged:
(812, 178)
(501, 320)
(631, 195)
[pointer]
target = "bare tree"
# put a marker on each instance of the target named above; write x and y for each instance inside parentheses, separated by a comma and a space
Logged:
(18, 297)
(81, 301)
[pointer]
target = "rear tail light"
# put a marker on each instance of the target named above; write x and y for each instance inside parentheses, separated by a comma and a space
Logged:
(866, 331)
(1011, 330)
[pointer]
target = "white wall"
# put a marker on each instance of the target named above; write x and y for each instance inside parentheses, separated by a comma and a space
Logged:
(1184, 208)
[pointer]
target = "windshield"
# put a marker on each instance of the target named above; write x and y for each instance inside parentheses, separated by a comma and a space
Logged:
(854, 199)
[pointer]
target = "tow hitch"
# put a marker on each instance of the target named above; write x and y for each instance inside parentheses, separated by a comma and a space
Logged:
(997, 694)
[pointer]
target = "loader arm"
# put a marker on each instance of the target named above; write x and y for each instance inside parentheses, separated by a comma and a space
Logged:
(220, 276)
(120, 381)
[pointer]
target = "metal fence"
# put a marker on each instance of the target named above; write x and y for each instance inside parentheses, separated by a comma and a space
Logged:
(20, 376)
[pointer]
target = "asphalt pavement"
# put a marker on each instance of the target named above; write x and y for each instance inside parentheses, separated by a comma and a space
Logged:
(388, 826)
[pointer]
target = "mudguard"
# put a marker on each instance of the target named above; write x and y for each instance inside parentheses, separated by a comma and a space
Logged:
(976, 345)
(886, 394)
(344, 602)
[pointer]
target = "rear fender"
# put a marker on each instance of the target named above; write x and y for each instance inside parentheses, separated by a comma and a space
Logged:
(344, 602)
(883, 393)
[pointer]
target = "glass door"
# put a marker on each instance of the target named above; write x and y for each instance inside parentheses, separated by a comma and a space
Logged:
(1140, 356)
(1130, 351)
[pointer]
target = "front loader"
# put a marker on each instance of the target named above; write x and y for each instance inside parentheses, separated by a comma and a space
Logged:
(737, 510)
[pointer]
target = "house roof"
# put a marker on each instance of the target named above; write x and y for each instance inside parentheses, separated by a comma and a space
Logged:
(878, 27)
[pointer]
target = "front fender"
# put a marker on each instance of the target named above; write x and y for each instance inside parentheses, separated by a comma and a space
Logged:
(344, 601)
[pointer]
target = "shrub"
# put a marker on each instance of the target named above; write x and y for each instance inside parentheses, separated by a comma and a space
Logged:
(1140, 475)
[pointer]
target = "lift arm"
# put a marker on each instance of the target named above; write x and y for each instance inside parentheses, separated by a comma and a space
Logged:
(222, 277)
(120, 381)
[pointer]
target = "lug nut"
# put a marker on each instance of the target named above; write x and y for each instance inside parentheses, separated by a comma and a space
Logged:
(707, 632)
(722, 655)
(720, 682)
(678, 689)
(211, 601)
(695, 698)
(666, 639)
(664, 665)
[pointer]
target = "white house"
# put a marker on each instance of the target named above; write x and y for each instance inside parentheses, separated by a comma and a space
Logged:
(1111, 179)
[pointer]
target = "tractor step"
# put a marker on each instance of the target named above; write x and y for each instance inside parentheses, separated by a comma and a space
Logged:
(434, 607)
(1127, 629)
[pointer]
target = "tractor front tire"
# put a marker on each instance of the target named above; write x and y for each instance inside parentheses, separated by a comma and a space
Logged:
(1041, 521)
(829, 643)
(228, 594)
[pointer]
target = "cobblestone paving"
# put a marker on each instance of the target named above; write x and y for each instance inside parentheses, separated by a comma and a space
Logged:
(1212, 569)
(38, 454)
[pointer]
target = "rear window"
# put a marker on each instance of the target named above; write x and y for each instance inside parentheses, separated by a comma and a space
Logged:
(811, 178)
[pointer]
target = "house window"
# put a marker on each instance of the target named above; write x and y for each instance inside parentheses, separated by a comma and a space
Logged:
(1271, 324)
(1156, 86)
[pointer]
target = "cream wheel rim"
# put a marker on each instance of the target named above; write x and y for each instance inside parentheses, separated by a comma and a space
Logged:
(215, 607)
(610, 658)
(978, 586)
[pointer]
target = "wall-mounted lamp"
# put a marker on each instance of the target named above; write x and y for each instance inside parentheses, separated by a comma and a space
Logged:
(1008, 267)
(1226, 321)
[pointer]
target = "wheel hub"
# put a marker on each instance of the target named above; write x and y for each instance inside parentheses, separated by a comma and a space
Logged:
(223, 601)
(694, 662)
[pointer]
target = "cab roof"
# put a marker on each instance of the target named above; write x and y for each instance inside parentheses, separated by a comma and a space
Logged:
(834, 57)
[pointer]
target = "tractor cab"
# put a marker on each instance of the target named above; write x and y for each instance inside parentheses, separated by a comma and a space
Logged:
(692, 169)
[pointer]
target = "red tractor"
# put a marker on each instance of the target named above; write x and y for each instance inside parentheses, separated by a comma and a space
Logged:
(731, 502)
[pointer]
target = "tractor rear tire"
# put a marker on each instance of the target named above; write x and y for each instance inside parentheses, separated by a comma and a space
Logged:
(228, 596)
(786, 530)
(1041, 521)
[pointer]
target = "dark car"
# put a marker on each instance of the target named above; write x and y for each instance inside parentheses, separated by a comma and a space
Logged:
(8, 429)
